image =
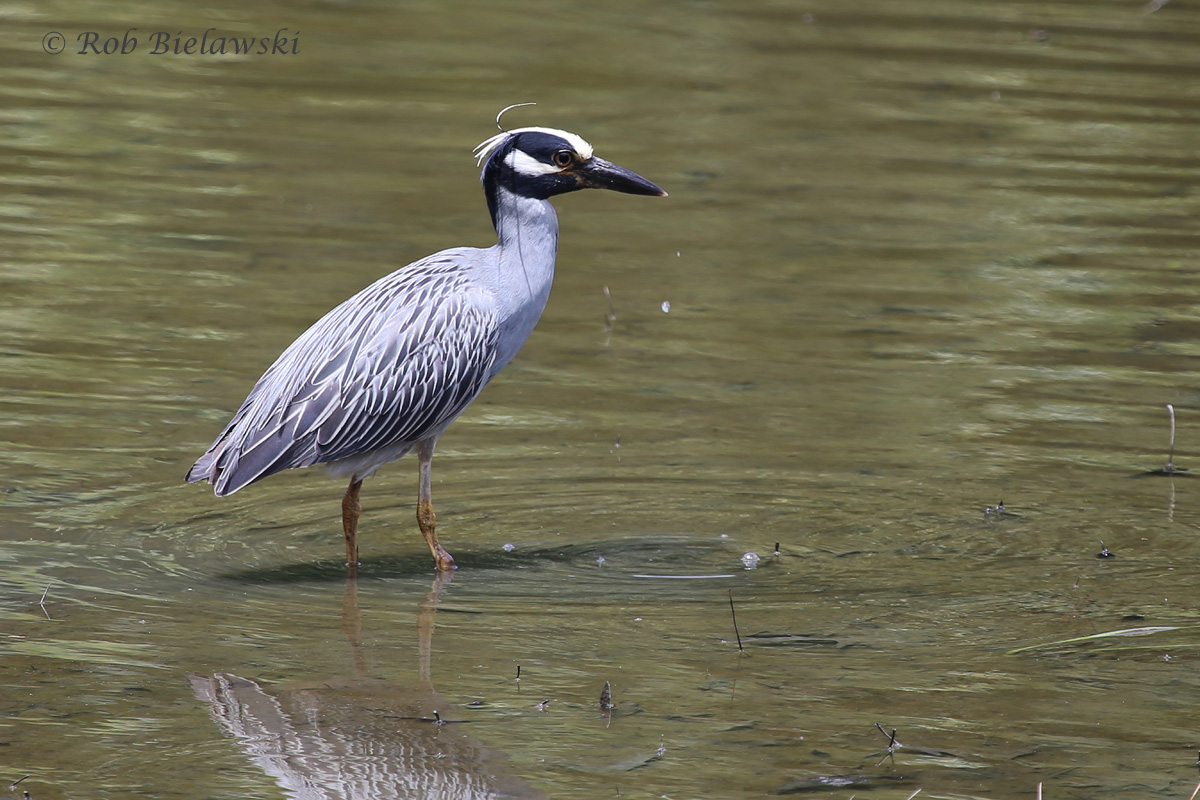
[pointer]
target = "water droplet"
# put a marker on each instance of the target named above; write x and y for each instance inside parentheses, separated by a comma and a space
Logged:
(666, 306)
(750, 560)
(508, 548)
(600, 560)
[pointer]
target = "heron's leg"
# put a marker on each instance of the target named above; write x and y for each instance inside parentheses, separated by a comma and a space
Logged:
(350, 512)
(425, 516)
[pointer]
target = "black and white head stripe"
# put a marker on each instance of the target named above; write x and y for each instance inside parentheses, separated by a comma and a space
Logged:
(528, 150)
(539, 163)
(528, 162)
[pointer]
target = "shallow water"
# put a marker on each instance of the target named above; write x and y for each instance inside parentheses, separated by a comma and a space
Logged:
(918, 259)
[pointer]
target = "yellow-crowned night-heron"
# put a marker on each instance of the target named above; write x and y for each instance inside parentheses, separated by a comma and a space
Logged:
(388, 370)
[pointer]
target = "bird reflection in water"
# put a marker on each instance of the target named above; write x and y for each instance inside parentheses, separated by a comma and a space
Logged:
(360, 738)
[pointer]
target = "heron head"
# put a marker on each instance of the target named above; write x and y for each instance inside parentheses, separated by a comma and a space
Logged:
(543, 162)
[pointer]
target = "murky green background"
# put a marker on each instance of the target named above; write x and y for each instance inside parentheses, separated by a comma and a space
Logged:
(919, 258)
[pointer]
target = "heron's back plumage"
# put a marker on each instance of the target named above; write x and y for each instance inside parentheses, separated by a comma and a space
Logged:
(394, 364)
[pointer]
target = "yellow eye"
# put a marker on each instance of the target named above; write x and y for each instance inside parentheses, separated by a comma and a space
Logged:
(563, 159)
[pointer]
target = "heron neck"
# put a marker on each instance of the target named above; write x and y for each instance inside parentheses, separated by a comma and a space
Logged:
(524, 224)
(527, 231)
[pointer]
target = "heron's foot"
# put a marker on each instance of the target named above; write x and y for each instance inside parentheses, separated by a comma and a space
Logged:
(445, 561)
(352, 561)
(427, 521)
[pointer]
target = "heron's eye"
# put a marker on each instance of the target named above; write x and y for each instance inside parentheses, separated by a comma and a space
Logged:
(563, 159)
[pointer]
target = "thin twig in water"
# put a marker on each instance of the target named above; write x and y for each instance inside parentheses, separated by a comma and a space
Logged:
(1169, 468)
(893, 745)
(735, 627)
(13, 786)
(914, 794)
(1195, 792)
(1171, 451)
(42, 603)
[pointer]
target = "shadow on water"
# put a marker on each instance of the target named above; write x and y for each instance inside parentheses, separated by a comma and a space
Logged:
(662, 552)
(358, 736)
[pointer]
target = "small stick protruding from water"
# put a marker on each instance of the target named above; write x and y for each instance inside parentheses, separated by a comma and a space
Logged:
(42, 603)
(1170, 467)
(437, 718)
(611, 317)
(893, 745)
(13, 786)
(777, 549)
(606, 703)
(735, 627)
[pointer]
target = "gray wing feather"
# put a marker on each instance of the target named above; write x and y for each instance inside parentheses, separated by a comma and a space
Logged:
(396, 362)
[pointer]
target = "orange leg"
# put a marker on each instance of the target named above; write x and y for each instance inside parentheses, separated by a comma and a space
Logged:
(426, 520)
(350, 511)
